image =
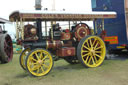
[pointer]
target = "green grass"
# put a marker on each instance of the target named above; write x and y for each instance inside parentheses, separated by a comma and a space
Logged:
(112, 72)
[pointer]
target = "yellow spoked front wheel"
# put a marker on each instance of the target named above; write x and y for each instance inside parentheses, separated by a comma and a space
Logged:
(23, 56)
(91, 51)
(39, 62)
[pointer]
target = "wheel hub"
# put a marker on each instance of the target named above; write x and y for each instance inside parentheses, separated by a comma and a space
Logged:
(40, 62)
(92, 51)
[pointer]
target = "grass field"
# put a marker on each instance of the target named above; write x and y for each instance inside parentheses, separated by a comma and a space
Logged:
(112, 72)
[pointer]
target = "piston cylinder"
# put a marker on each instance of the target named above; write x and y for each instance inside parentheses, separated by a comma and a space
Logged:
(54, 44)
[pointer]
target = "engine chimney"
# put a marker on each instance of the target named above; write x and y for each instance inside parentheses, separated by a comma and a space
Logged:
(38, 5)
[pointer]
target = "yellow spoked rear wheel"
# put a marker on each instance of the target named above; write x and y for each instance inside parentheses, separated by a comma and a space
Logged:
(91, 51)
(23, 56)
(39, 62)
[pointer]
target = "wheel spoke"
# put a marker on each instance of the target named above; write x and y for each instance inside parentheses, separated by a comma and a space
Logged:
(33, 59)
(99, 48)
(45, 66)
(38, 69)
(45, 57)
(85, 51)
(46, 61)
(95, 58)
(87, 59)
(34, 63)
(85, 55)
(86, 47)
(37, 56)
(42, 69)
(98, 52)
(41, 55)
(87, 44)
(94, 42)
(96, 45)
(91, 42)
(98, 55)
(34, 68)
(31, 64)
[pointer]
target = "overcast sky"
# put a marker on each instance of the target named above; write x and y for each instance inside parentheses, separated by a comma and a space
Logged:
(8, 6)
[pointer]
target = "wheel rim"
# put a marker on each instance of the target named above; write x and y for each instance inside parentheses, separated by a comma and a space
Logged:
(8, 48)
(93, 51)
(39, 62)
(23, 57)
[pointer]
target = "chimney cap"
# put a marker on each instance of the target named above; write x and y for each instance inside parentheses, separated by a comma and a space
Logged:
(37, 2)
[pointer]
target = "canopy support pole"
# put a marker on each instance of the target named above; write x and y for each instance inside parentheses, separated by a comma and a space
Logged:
(17, 32)
(22, 28)
(102, 24)
(95, 26)
(52, 22)
(69, 25)
(46, 29)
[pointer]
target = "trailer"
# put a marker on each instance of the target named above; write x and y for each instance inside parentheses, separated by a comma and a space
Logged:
(6, 47)
(116, 29)
(75, 44)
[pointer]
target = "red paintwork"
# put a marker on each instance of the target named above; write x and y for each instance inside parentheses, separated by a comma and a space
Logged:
(82, 30)
(66, 36)
(28, 35)
(103, 34)
(67, 51)
(55, 44)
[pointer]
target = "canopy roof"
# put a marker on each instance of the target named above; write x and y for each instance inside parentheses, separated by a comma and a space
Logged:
(59, 15)
(3, 20)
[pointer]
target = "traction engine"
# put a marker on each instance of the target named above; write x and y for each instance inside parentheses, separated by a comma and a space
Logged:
(77, 44)
(73, 45)
(61, 43)
(6, 47)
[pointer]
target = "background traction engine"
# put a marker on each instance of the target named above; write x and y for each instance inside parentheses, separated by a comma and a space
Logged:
(74, 46)
(6, 47)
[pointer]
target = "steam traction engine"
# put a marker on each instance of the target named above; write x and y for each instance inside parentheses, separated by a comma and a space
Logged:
(75, 44)
(6, 48)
